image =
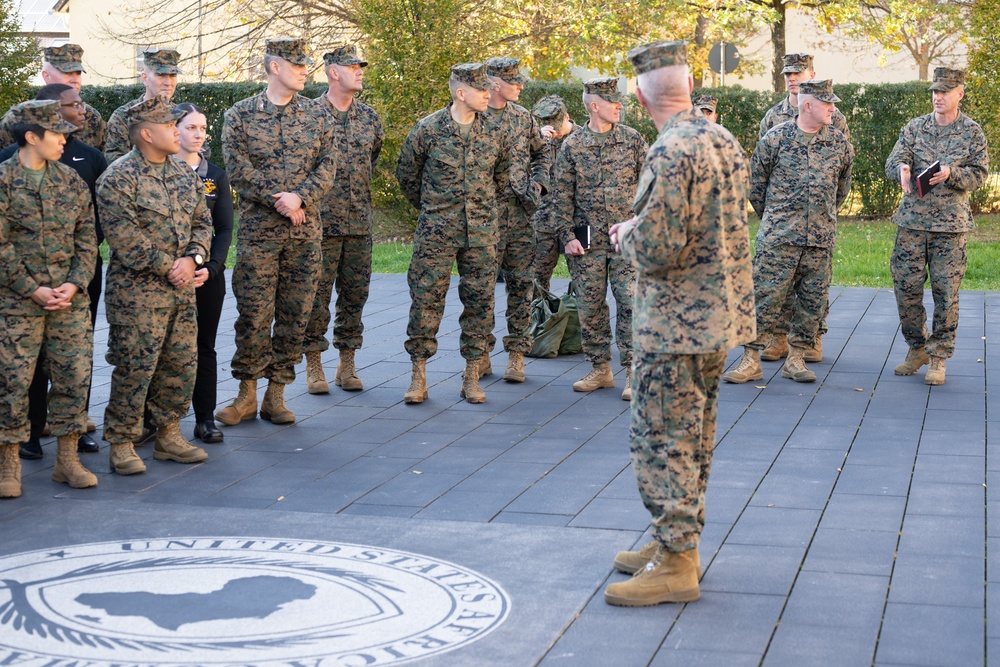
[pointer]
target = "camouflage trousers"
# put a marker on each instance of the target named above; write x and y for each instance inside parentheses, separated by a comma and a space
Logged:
(274, 282)
(943, 256)
(66, 337)
(515, 254)
(592, 273)
(155, 355)
(788, 311)
(429, 277)
(547, 248)
(347, 262)
(797, 273)
(672, 439)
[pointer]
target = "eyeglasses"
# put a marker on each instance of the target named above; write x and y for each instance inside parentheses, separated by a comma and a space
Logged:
(75, 105)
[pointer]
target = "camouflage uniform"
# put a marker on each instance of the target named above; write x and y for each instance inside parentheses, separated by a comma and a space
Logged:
(694, 301)
(92, 132)
(117, 143)
(66, 58)
(152, 215)
(162, 61)
(932, 230)
(593, 182)
(347, 230)
(268, 150)
(549, 110)
(783, 112)
(46, 239)
(797, 183)
(454, 183)
(519, 196)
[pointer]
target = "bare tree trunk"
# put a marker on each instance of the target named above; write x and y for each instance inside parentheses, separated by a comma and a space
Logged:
(778, 43)
(701, 27)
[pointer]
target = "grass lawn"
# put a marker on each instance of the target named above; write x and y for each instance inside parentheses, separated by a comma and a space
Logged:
(861, 258)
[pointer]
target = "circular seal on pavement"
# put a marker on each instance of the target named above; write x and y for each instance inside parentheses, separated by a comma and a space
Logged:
(238, 601)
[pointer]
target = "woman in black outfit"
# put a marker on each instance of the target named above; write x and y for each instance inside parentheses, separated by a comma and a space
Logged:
(210, 280)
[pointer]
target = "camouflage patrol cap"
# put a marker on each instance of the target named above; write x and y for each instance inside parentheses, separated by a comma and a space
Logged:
(65, 58)
(508, 69)
(821, 90)
(44, 113)
(946, 79)
(550, 108)
(157, 110)
(796, 62)
(655, 55)
(291, 49)
(344, 55)
(705, 102)
(474, 75)
(162, 61)
(606, 88)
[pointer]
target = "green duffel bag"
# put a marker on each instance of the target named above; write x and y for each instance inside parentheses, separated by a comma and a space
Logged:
(549, 318)
(572, 340)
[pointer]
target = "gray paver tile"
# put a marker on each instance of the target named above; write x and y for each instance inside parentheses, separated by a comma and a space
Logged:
(748, 620)
(914, 634)
(837, 600)
(743, 568)
(795, 645)
(932, 579)
(852, 552)
(775, 526)
(848, 511)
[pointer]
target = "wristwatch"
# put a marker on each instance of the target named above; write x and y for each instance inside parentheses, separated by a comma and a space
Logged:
(199, 261)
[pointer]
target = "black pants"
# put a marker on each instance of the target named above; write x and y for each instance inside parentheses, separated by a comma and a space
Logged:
(38, 392)
(210, 297)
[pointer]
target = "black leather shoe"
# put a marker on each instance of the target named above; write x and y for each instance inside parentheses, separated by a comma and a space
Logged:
(31, 450)
(86, 444)
(207, 431)
(148, 433)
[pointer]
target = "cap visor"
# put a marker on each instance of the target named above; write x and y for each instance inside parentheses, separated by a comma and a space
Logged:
(62, 127)
(791, 69)
(518, 80)
(69, 67)
(941, 87)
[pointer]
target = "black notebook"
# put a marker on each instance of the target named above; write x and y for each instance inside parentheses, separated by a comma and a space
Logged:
(924, 179)
(582, 234)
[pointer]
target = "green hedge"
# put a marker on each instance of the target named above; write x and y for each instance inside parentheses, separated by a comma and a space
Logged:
(875, 114)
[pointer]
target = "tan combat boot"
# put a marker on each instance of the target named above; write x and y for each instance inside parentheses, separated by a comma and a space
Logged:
(627, 393)
(471, 391)
(915, 358)
(272, 408)
(668, 577)
(172, 446)
(68, 467)
(347, 376)
(243, 407)
(776, 349)
(795, 366)
(485, 366)
(631, 561)
(515, 368)
(814, 354)
(935, 373)
(91, 426)
(599, 377)
(315, 377)
(10, 472)
(125, 461)
(748, 369)
(417, 393)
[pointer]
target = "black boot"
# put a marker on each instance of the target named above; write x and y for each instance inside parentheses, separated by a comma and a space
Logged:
(86, 444)
(31, 450)
(207, 431)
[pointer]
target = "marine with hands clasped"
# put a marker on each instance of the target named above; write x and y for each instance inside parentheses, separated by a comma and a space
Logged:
(800, 174)
(47, 256)
(64, 64)
(593, 183)
(452, 168)
(527, 180)
(932, 229)
(798, 67)
(694, 301)
(348, 219)
(159, 231)
(281, 158)
(159, 77)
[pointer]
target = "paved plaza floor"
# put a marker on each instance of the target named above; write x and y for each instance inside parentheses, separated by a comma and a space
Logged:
(851, 521)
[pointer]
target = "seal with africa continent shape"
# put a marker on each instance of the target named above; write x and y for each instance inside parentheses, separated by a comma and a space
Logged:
(260, 602)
